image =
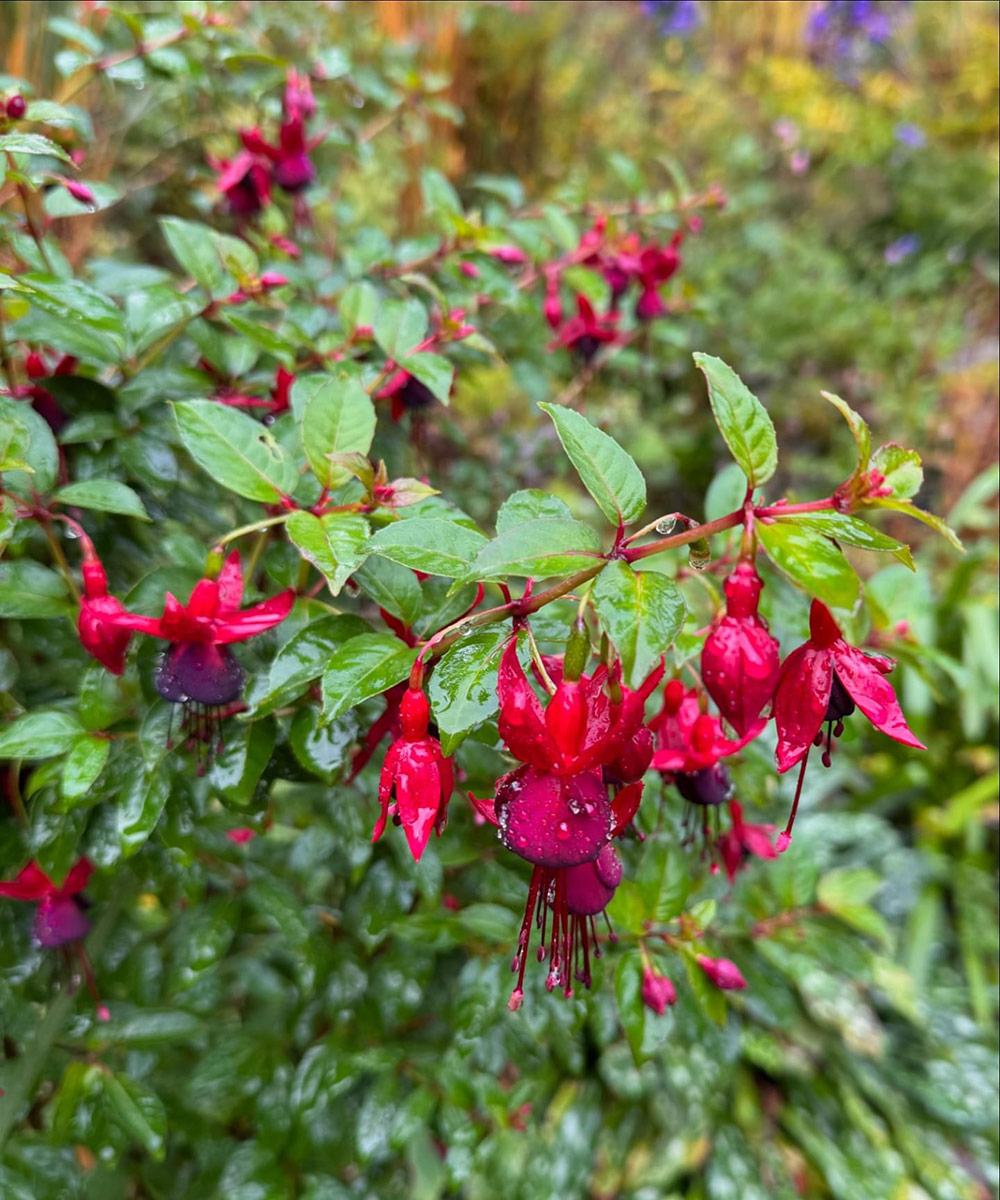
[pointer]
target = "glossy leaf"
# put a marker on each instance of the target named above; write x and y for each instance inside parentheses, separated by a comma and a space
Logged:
(607, 471)
(858, 427)
(810, 561)
(742, 420)
(362, 667)
(103, 495)
(463, 685)
(545, 547)
(338, 417)
(237, 451)
(429, 544)
(39, 735)
(852, 531)
(336, 544)
(84, 763)
(642, 612)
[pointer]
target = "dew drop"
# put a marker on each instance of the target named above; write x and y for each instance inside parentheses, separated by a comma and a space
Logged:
(667, 525)
(562, 831)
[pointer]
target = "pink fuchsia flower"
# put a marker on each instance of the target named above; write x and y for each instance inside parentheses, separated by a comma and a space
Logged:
(723, 972)
(740, 660)
(244, 181)
(689, 740)
(509, 255)
(743, 840)
(59, 917)
(657, 991)
(406, 393)
(417, 779)
(100, 635)
(198, 669)
(586, 332)
(822, 682)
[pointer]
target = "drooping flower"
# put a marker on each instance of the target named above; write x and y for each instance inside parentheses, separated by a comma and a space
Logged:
(101, 637)
(657, 991)
(244, 181)
(740, 660)
(822, 682)
(198, 670)
(59, 917)
(742, 840)
(42, 400)
(417, 779)
(406, 393)
(586, 332)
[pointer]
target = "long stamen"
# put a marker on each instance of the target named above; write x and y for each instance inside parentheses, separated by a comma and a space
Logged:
(520, 958)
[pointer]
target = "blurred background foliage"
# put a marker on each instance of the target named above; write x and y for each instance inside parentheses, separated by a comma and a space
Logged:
(305, 1017)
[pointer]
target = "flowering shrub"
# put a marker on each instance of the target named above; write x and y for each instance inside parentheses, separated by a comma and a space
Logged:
(262, 607)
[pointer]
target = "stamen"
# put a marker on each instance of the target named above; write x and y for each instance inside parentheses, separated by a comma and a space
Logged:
(785, 837)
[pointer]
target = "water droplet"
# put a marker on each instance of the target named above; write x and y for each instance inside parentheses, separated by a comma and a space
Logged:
(699, 555)
(70, 533)
(666, 525)
(574, 806)
(562, 830)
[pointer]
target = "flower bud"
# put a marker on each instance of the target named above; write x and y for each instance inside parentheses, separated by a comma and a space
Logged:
(657, 991)
(723, 972)
(17, 106)
(414, 714)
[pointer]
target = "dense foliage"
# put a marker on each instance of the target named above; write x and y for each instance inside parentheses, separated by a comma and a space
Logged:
(389, 345)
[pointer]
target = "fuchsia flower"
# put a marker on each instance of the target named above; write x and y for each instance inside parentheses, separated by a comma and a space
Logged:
(198, 669)
(42, 400)
(100, 636)
(743, 840)
(657, 991)
(406, 393)
(244, 181)
(417, 779)
(822, 682)
(554, 810)
(723, 972)
(585, 333)
(59, 917)
(740, 659)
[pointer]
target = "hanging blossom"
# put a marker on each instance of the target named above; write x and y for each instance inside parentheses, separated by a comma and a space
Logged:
(740, 659)
(198, 670)
(742, 841)
(554, 810)
(417, 779)
(585, 333)
(822, 682)
(59, 917)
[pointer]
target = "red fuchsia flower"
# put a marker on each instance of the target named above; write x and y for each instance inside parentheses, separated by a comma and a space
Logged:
(690, 745)
(740, 660)
(406, 393)
(585, 333)
(657, 264)
(822, 682)
(552, 308)
(509, 255)
(59, 917)
(241, 835)
(274, 405)
(417, 779)
(16, 106)
(100, 634)
(743, 840)
(298, 99)
(564, 828)
(657, 991)
(244, 181)
(198, 669)
(723, 972)
(42, 400)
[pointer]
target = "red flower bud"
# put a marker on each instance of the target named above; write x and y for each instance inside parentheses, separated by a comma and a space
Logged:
(657, 991)
(740, 659)
(17, 106)
(723, 972)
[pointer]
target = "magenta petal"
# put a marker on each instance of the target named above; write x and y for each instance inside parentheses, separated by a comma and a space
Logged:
(239, 626)
(589, 890)
(800, 701)
(873, 694)
(230, 583)
(555, 822)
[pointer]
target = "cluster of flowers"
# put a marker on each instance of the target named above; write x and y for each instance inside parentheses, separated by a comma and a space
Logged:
(847, 33)
(245, 180)
(582, 757)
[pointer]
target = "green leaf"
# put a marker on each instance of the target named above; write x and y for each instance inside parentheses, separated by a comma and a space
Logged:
(742, 420)
(434, 371)
(27, 436)
(548, 546)
(237, 451)
(429, 544)
(141, 802)
(918, 514)
(854, 532)
(392, 587)
(400, 326)
(607, 472)
(901, 468)
(528, 505)
(236, 771)
(103, 495)
(358, 305)
(32, 143)
(463, 686)
(27, 590)
(84, 763)
(365, 666)
(628, 996)
(39, 735)
(664, 879)
(335, 544)
(338, 417)
(194, 247)
(302, 659)
(138, 1111)
(845, 892)
(642, 612)
(323, 750)
(810, 561)
(440, 198)
(859, 430)
(8, 521)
